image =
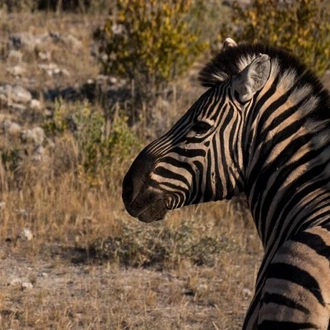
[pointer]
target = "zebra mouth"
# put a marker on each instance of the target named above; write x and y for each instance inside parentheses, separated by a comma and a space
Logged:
(153, 212)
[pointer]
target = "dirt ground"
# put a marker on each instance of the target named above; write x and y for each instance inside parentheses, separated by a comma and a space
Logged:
(62, 288)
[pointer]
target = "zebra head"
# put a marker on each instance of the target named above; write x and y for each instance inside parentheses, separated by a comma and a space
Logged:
(201, 158)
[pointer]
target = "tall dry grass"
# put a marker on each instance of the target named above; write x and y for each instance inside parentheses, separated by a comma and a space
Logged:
(92, 266)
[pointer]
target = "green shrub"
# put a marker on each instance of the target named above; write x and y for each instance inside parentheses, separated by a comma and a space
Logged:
(302, 27)
(150, 42)
(103, 146)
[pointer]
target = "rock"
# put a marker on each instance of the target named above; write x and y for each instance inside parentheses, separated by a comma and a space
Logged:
(26, 286)
(22, 40)
(15, 94)
(14, 130)
(45, 55)
(16, 71)
(10, 128)
(21, 95)
(26, 234)
(35, 135)
(42, 274)
(247, 293)
(35, 104)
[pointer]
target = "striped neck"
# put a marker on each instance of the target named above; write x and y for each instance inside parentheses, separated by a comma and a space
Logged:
(282, 136)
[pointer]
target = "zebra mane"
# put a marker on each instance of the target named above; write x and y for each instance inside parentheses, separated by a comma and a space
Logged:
(232, 60)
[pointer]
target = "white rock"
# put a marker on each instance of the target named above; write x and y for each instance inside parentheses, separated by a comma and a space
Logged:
(247, 293)
(45, 56)
(26, 286)
(15, 94)
(35, 135)
(35, 104)
(201, 289)
(42, 274)
(26, 234)
(14, 129)
(16, 71)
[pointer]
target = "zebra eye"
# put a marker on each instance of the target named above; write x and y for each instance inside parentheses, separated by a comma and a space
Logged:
(201, 127)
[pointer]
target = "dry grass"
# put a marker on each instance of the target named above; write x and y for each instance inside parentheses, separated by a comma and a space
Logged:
(77, 289)
(79, 286)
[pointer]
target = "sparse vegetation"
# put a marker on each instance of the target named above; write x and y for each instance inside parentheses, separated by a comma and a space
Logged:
(101, 144)
(92, 266)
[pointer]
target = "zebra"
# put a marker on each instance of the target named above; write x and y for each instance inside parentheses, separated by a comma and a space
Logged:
(262, 127)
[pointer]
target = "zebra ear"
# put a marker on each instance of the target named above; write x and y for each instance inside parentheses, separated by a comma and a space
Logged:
(252, 78)
(229, 42)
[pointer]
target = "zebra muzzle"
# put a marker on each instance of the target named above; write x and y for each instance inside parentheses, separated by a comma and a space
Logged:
(148, 212)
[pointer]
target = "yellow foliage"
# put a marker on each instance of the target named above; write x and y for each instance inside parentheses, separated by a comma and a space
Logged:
(150, 40)
(302, 27)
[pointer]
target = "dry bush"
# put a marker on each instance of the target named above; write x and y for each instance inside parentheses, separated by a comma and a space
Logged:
(149, 41)
(301, 27)
(193, 236)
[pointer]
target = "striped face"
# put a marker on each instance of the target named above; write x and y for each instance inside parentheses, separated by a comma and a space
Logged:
(199, 159)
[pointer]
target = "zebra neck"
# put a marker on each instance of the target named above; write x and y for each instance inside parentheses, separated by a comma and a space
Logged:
(286, 156)
(293, 210)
